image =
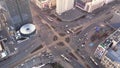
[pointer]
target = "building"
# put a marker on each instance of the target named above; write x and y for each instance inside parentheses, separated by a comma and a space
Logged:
(19, 12)
(52, 3)
(42, 4)
(108, 1)
(45, 4)
(61, 5)
(91, 5)
(27, 30)
(3, 51)
(112, 58)
(109, 51)
(64, 5)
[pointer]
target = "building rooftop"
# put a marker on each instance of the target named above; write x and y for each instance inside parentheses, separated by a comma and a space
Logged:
(110, 44)
(114, 55)
(114, 51)
(115, 21)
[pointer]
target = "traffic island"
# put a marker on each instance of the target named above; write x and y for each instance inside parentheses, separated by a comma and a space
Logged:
(55, 38)
(67, 39)
(60, 44)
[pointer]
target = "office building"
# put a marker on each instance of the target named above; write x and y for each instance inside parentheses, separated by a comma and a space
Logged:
(91, 5)
(112, 57)
(109, 51)
(19, 12)
(45, 4)
(61, 5)
(64, 5)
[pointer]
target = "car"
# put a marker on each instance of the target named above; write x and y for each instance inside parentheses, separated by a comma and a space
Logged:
(39, 66)
(82, 57)
(68, 31)
(82, 45)
(66, 26)
(85, 34)
(80, 39)
(22, 64)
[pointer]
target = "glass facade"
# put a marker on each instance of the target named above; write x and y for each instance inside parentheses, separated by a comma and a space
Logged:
(19, 11)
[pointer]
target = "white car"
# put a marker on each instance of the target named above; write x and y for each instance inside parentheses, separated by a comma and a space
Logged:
(83, 45)
(66, 26)
(68, 31)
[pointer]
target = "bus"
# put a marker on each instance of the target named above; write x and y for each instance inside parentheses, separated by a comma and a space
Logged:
(65, 58)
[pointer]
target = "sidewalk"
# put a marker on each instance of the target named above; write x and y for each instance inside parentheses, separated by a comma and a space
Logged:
(71, 15)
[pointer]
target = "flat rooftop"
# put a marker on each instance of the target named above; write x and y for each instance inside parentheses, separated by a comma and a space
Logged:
(114, 52)
(115, 20)
(114, 55)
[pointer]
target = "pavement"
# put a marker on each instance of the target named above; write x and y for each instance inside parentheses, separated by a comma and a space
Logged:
(39, 59)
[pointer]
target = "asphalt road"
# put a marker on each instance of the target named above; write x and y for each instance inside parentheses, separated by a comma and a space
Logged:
(46, 33)
(24, 49)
